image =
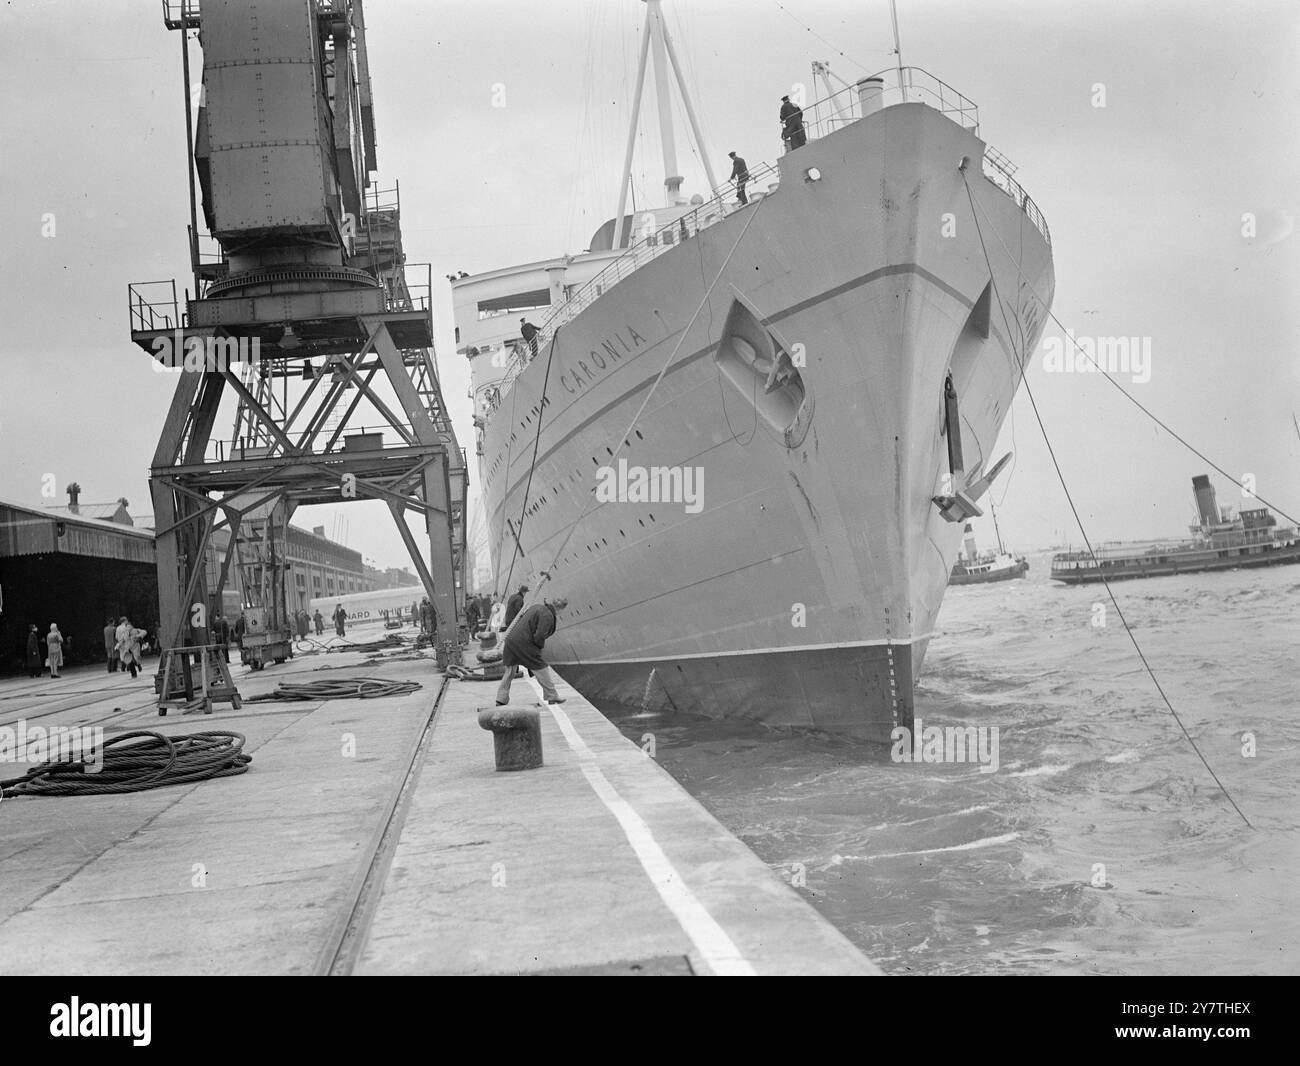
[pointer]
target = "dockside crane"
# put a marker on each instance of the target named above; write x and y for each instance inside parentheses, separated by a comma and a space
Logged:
(304, 321)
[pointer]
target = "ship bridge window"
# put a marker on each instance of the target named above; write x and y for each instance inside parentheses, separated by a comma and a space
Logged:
(519, 301)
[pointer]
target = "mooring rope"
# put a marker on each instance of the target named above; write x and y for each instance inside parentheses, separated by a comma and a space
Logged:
(623, 440)
(1022, 359)
(343, 688)
(532, 468)
(136, 761)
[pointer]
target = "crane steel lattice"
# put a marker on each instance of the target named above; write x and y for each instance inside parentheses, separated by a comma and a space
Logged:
(307, 320)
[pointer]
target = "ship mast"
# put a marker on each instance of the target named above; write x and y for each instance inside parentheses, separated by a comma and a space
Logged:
(655, 37)
(898, 48)
(994, 513)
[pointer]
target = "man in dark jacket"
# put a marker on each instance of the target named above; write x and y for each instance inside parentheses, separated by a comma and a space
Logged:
(514, 605)
(529, 332)
(523, 647)
(740, 175)
(471, 614)
(110, 645)
(34, 657)
(221, 635)
(792, 131)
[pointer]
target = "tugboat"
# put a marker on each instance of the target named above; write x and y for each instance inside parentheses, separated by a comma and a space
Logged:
(1220, 542)
(976, 569)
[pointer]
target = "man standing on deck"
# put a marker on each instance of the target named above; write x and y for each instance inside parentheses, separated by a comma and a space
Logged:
(340, 617)
(523, 647)
(319, 619)
(514, 605)
(530, 336)
(740, 175)
(792, 131)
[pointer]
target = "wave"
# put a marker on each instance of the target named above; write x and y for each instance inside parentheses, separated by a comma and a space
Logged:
(986, 842)
(1046, 770)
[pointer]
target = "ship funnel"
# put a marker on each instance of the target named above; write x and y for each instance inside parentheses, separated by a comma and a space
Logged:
(1205, 501)
(970, 544)
(870, 91)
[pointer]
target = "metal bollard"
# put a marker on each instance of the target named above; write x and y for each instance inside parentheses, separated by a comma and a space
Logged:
(516, 736)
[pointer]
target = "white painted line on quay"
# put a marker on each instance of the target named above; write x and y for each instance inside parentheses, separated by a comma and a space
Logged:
(710, 939)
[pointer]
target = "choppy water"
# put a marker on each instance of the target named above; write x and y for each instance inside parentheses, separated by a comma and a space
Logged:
(943, 869)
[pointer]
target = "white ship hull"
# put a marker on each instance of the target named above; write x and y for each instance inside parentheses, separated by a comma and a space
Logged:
(805, 588)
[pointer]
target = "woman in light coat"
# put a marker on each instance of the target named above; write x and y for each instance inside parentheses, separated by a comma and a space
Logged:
(54, 645)
(128, 645)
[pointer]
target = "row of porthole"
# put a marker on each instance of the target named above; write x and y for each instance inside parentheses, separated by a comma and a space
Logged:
(546, 401)
(496, 463)
(577, 475)
(604, 543)
(599, 603)
(610, 451)
(574, 477)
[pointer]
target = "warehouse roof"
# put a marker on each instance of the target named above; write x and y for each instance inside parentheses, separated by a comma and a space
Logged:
(28, 530)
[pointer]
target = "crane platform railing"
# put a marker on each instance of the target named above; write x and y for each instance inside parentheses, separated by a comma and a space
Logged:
(181, 14)
(153, 305)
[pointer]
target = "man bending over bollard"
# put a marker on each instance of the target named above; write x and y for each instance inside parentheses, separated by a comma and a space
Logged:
(523, 647)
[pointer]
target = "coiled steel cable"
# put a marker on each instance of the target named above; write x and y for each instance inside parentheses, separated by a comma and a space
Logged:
(136, 761)
(343, 688)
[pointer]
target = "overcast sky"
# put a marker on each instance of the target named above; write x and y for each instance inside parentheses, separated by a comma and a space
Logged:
(1145, 198)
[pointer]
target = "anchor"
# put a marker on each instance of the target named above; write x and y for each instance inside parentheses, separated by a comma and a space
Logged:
(961, 506)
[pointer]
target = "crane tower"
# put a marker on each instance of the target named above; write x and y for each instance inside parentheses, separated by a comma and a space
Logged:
(304, 352)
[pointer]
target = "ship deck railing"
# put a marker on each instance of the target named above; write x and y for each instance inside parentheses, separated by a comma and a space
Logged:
(1120, 551)
(915, 85)
(650, 244)
(910, 85)
(822, 117)
(1157, 551)
(998, 169)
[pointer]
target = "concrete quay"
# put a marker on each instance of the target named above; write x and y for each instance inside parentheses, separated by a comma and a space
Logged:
(374, 836)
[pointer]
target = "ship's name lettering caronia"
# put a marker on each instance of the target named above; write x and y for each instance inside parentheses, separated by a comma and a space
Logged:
(599, 360)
